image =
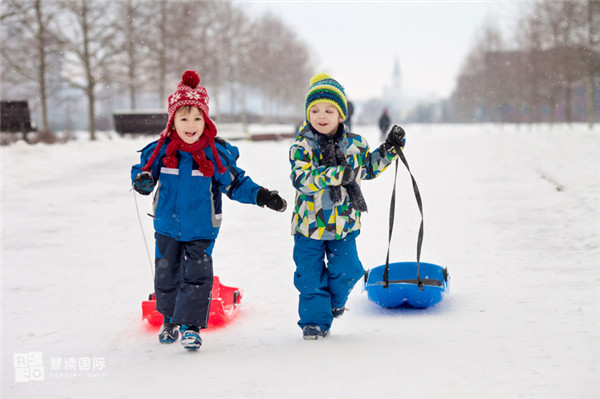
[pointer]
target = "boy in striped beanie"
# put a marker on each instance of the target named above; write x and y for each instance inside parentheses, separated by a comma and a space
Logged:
(328, 164)
(326, 90)
(193, 168)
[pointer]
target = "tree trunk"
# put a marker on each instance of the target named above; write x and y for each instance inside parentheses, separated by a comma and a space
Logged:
(568, 101)
(244, 107)
(41, 41)
(88, 71)
(591, 106)
(91, 118)
(162, 62)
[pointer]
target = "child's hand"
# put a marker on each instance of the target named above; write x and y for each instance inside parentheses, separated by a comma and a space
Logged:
(144, 183)
(271, 199)
(395, 138)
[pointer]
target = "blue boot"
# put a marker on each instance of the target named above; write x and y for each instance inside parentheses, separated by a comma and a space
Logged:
(168, 333)
(314, 332)
(338, 312)
(190, 338)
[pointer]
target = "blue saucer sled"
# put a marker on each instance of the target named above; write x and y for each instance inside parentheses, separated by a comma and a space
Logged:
(410, 284)
(403, 288)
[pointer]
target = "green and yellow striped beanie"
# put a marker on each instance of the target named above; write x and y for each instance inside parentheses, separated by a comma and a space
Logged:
(324, 89)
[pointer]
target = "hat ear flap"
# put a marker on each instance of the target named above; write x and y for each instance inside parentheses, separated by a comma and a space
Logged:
(210, 130)
(161, 140)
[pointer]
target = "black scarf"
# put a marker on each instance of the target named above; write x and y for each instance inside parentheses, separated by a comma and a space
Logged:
(334, 156)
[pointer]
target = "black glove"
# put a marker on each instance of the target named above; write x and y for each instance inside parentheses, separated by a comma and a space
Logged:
(396, 137)
(271, 199)
(348, 175)
(144, 183)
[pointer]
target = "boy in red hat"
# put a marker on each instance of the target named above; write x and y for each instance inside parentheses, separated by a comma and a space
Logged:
(193, 168)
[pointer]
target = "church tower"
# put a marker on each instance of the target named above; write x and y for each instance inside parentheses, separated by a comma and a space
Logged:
(393, 92)
(396, 80)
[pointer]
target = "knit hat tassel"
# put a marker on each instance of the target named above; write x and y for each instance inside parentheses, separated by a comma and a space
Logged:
(161, 140)
(221, 168)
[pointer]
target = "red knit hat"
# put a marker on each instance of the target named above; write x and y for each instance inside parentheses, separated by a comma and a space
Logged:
(189, 93)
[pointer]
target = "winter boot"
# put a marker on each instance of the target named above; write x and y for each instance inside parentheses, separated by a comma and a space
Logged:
(168, 333)
(190, 338)
(314, 332)
(338, 312)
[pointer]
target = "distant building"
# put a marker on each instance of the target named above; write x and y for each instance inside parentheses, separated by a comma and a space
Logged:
(392, 94)
(391, 99)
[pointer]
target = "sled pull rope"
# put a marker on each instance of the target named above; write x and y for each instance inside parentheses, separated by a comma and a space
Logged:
(386, 281)
(137, 211)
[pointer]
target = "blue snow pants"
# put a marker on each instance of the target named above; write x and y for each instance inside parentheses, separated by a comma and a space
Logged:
(323, 287)
(183, 280)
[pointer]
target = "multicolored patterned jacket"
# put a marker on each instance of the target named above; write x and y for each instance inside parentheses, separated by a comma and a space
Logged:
(315, 215)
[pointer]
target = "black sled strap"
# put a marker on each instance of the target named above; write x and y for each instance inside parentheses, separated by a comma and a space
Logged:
(386, 280)
(426, 281)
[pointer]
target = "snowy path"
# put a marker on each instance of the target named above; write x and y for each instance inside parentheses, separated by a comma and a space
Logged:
(513, 213)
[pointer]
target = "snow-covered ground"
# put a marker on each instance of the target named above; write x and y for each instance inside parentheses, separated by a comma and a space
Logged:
(513, 212)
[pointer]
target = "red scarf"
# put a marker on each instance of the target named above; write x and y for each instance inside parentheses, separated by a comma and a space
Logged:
(205, 166)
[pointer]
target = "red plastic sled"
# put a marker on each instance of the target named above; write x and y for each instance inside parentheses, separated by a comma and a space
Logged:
(223, 306)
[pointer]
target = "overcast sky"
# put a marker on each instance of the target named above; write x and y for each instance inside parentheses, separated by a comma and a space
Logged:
(357, 42)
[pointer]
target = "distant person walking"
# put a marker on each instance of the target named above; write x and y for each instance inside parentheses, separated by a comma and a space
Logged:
(384, 122)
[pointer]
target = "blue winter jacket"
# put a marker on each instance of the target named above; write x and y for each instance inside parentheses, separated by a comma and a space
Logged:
(187, 205)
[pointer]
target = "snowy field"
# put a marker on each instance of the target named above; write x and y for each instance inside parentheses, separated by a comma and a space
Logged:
(513, 212)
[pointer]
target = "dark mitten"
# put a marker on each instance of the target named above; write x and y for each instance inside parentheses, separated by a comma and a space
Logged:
(271, 199)
(144, 183)
(395, 138)
(348, 175)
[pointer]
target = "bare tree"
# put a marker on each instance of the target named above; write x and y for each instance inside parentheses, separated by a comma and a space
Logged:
(27, 25)
(592, 40)
(133, 25)
(478, 79)
(90, 32)
(561, 20)
(557, 52)
(492, 82)
(159, 49)
(176, 41)
(104, 49)
(530, 41)
(231, 30)
(215, 38)
(281, 67)
(239, 81)
(468, 96)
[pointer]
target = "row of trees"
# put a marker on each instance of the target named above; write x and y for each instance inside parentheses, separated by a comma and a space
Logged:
(549, 72)
(138, 49)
